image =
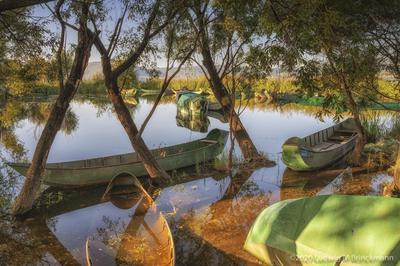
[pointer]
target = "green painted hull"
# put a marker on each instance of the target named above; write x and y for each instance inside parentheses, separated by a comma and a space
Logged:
(192, 102)
(102, 170)
(299, 154)
(324, 228)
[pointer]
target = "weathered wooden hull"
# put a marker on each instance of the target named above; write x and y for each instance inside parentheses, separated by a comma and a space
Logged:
(102, 170)
(299, 159)
(298, 155)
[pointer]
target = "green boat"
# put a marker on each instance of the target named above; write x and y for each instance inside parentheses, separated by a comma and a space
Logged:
(191, 101)
(101, 170)
(323, 230)
(219, 115)
(198, 123)
(320, 149)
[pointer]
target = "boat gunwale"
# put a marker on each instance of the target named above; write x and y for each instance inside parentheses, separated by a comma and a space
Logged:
(208, 145)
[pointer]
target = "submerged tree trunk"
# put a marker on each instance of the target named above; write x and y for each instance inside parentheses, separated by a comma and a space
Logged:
(25, 199)
(150, 163)
(247, 146)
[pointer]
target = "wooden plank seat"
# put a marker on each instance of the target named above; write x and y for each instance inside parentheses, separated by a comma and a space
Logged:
(325, 146)
(345, 131)
(339, 138)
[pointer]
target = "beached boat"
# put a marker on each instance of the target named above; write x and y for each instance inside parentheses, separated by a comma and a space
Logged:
(101, 170)
(321, 149)
(326, 228)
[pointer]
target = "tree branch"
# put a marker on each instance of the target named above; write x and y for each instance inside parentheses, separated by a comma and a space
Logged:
(14, 4)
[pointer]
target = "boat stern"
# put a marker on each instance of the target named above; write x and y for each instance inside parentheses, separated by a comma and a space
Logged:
(219, 135)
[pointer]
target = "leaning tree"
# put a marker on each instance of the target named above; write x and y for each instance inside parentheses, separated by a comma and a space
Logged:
(325, 46)
(152, 17)
(68, 88)
(227, 31)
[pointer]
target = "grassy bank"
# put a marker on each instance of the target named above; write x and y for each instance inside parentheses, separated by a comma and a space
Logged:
(383, 133)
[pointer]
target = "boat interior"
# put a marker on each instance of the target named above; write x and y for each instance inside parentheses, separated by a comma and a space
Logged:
(133, 157)
(330, 138)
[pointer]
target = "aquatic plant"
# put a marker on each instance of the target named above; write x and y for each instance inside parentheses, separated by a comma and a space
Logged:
(8, 185)
(394, 130)
(379, 125)
(375, 128)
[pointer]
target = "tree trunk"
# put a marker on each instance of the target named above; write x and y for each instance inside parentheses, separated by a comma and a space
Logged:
(396, 176)
(150, 163)
(25, 199)
(13, 4)
(246, 145)
(361, 140)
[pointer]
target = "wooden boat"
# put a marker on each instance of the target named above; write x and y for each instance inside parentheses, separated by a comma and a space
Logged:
(219, 115)
(325, 228)
(146, 230)
(197, 124)
(101, 170)
(191, 101)
(91, 227)
(320, 149)
(195, 121)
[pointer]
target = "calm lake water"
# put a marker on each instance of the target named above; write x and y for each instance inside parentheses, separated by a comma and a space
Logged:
(203, 218)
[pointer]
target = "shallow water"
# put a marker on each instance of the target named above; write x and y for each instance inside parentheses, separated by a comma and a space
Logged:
(208, 212)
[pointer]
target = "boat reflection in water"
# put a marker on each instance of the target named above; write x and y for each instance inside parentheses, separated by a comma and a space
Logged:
(195, 121)
(125, 229)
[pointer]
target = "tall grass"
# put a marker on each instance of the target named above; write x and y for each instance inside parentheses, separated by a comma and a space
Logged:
(45, 89)
(193, 84)
(95, 87)
(275, 85)
(389, 88)
(151, 84)
(377, 126)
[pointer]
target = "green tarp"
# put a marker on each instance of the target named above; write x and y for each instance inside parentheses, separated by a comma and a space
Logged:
(320, 230)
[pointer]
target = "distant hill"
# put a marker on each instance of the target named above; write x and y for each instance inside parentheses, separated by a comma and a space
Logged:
(94, 69)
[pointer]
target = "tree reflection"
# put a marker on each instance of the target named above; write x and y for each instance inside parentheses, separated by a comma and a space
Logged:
(13, 112)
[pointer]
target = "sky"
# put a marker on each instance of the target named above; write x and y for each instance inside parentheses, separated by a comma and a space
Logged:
(114, 12)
